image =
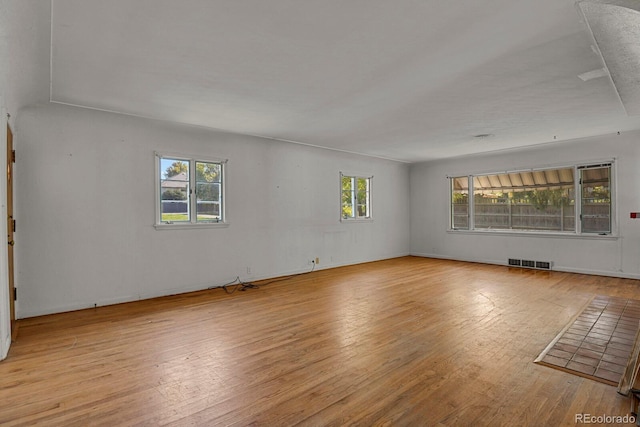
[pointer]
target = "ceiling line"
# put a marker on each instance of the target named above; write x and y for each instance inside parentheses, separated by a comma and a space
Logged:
(597, 48)
(229, 131)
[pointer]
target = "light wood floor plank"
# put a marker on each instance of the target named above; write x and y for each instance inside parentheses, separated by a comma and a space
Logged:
(407, 341)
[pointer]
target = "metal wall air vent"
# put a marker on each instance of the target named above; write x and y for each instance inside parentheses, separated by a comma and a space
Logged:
(526, 263)
(544, 265)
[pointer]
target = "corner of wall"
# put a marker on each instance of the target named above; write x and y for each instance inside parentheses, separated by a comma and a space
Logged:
(5, 322)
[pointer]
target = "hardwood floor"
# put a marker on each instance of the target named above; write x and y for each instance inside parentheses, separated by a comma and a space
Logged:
(408, 341)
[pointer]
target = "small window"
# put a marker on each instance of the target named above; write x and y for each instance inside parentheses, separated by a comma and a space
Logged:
(190, 191)
(356, 197)
(460, 203)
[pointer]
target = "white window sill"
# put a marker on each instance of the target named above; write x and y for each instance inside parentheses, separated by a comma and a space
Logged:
(348, 220)
(551, 234)
(190, 226)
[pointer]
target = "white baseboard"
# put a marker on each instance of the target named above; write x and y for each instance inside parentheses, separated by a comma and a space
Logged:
(563, 269)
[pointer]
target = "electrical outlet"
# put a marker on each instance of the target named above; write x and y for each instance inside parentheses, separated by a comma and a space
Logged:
(317, 260)
(248, 270)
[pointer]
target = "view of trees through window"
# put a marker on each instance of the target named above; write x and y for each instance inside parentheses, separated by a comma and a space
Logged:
(539, 209)
(177, 185)
(355, 197)
(542, 200)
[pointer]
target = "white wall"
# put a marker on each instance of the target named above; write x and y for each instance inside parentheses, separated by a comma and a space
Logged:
(85, 203)
(615, 257)
(25, 42)
(24, 80)
(5, 327)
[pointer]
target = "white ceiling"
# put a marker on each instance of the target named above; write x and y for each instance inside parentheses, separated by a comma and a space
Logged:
(410, 80)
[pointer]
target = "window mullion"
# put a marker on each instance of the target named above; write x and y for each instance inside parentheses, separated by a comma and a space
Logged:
(221, 194)
(578, 199)
(354, 199)
(470, 201)
(193, 212)
(368, 198)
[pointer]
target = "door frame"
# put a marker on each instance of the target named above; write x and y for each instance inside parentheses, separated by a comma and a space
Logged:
(10, 236)
(5, 323)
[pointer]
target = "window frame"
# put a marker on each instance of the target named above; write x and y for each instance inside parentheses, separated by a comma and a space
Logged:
(368, 205)
(577, 189)
(469, 205)
(192, 199)
(579, 197)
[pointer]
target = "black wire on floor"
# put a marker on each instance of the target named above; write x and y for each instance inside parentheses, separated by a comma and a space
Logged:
(243, 286)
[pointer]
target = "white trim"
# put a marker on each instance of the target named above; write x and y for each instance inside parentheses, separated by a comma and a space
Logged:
(536, 233)
(358, 175)
(471, 208)
(190, 225)
(555, 268)
(613, 194)
(190, 156)
(51, 51)
(577, 202)
(5, 316)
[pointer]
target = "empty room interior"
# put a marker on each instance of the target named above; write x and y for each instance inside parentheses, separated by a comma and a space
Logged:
(319, 213)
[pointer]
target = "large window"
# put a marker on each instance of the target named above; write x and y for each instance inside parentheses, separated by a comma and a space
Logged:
(574, 199)
(356, 197)
(190, 191)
